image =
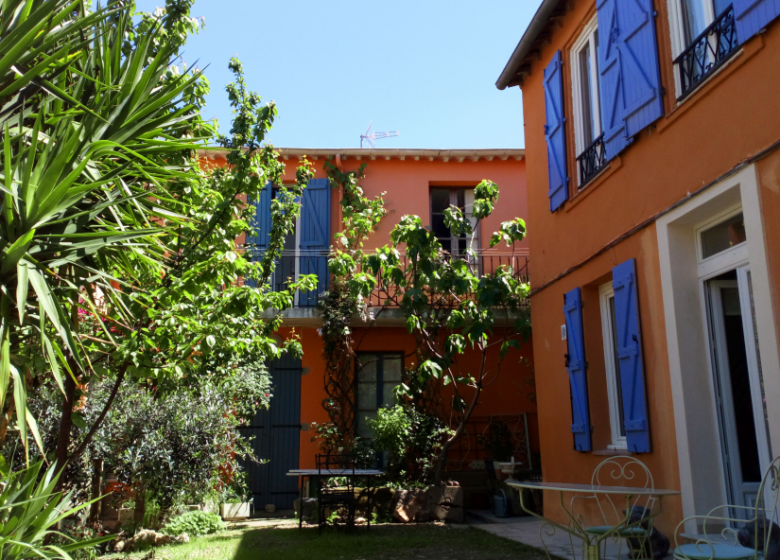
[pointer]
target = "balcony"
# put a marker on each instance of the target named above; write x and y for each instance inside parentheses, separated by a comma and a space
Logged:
(292, 266)
(707, 52)
(592, 161)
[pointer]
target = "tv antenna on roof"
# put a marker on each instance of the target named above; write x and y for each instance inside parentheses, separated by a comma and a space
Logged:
(369, 136)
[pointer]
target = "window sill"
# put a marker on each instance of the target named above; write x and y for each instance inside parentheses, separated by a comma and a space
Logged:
(593, 184)
(737, 60)
(610, 452)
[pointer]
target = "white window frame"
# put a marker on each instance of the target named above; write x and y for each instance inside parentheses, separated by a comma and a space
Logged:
(586, 40)
(607, 292)
(677, 34)
(715, 264)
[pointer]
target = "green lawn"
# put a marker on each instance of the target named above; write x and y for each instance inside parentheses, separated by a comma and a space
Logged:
(419, 542)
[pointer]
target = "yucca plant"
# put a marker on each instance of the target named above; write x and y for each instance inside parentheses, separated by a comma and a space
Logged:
(87, 160)
(118, 249)
(30, 509)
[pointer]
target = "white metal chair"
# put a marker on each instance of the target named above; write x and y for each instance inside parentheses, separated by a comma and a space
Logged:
(728, 536)
(615, 511)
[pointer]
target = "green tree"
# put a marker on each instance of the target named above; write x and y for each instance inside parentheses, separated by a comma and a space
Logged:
(118, 252)
(448, 305)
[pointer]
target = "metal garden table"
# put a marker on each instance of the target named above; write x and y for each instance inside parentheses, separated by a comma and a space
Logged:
(315, 474)
(592, 540)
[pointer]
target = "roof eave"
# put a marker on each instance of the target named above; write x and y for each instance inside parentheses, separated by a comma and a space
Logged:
(511, 75)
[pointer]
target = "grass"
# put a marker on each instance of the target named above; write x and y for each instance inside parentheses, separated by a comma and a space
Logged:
(418, 542)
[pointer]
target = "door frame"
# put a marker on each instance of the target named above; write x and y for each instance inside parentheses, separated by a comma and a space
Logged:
(695, 430)
(727, 422)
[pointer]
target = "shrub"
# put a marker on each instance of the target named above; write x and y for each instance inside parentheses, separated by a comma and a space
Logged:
(195, 524)
(411, 441)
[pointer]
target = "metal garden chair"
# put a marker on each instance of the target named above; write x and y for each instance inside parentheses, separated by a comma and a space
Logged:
(730, 532)
(620, 516)
(342, 496)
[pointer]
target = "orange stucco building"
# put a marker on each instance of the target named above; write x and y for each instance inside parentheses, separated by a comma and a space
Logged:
(415, 182)
(652, 130)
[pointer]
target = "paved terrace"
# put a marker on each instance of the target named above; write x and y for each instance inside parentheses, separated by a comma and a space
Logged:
(527, 530)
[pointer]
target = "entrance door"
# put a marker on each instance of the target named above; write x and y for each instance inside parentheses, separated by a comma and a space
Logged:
(276, 438)
(738, 386)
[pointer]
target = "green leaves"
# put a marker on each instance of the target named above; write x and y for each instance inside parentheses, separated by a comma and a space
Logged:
(29, 508)
(509, 232)
(507, 344)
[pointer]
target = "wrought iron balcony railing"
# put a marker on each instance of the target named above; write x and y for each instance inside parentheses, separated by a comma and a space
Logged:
(707, 52)
(289, 267)
(592, 160)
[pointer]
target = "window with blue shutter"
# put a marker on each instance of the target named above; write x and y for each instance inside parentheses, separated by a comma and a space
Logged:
(257, 241)
(315, 237)
(639, 62)
(629, 351)
(577, 368)
(630, 80)
(753, 15)
(612, 103)
(554, 132)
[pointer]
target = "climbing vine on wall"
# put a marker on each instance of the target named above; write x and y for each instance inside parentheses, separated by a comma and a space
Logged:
(348, 288)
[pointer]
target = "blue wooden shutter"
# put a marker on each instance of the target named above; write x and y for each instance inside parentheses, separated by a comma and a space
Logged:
(611, 79)
(257, 244)
(629, 350)
(753, 15)
(577, 367)
(315, 237)
(554, 132)
(639, 62)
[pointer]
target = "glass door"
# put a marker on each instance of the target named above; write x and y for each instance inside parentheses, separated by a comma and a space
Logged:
(738, 384)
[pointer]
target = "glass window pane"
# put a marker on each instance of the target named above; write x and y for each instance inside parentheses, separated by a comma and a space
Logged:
(595, 86)
(461, 199)
(440, 200)
(587, 103)
(387, 394)
(618, 384)
(366, 396)
(721, 5)
(723, 236)
(437, 225)
(694, 20)
(367, 371)
(363, 428)
(392, 368)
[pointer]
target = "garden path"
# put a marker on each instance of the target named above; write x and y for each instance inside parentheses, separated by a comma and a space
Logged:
(526, 530)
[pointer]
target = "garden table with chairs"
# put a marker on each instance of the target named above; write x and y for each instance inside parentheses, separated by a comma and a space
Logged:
(335, 466)
(624, 510)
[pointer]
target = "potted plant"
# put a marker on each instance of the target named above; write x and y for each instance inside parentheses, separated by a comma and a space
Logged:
(498, 443)
(236, 502)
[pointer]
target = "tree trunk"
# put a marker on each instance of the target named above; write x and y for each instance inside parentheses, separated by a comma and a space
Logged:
(96, 509)
(140, 507)
(442, 462)
(66, 423)
(5, 420)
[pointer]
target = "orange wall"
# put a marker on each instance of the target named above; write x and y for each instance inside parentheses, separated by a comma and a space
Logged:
(508, 394)
(407, 185)
(732, 117)
(735, 115)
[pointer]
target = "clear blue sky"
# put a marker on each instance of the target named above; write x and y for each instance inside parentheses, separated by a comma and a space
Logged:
(426, 68)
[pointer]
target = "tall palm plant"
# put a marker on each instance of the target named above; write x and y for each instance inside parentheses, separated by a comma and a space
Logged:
(95, 127)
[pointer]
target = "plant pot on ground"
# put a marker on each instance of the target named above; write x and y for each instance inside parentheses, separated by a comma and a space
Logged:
(239, 510)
